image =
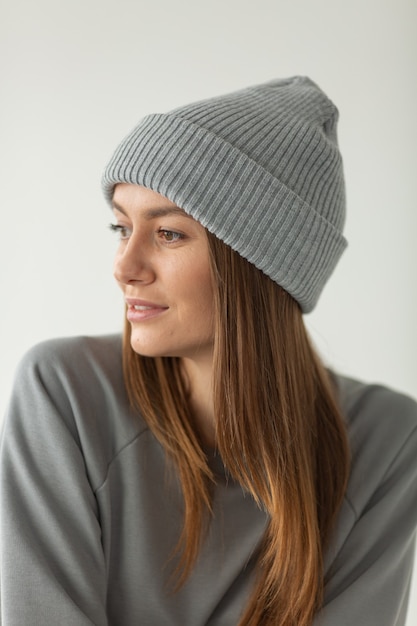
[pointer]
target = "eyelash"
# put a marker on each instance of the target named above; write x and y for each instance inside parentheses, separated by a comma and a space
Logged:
(118, 228)
(122, 231)
(176, 236)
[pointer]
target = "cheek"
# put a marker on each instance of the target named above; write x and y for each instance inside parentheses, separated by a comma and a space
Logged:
(203, 294)
(196, 287)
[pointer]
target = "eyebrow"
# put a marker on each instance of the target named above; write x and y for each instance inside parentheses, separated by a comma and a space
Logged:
(151, 214)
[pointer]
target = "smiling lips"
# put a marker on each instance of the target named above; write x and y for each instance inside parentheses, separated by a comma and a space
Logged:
(140, 310)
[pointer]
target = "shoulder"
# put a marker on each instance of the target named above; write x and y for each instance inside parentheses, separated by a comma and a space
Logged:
(372, 548)
(73, 364)
(387, 416)
(66, 351)
(382, 428)
(80, 374)
(74, 387)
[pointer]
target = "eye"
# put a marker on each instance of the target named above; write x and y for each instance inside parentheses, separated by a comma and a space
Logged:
(123, 231)
(170, 236)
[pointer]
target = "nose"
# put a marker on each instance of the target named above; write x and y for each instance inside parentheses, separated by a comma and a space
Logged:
(133, 264)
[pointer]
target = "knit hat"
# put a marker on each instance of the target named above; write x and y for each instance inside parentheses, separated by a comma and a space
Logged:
(259, 168)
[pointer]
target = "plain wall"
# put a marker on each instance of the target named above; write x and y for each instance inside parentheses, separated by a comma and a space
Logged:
(76, 76)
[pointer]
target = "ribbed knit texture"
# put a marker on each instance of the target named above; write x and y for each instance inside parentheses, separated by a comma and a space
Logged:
(259, 168)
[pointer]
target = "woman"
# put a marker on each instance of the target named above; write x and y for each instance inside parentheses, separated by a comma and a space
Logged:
(225, 477)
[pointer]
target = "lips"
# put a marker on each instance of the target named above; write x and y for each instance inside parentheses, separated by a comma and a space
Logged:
(141, 310)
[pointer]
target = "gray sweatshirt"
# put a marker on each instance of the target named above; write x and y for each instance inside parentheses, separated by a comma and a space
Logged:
(91, 509)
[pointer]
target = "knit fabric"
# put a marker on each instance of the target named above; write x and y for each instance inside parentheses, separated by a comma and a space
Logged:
(259, 168)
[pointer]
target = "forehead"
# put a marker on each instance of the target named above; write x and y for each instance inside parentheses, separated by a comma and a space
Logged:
(128, 194)
(128, 198)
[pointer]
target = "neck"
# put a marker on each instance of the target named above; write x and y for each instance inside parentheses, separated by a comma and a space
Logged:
(198, 375)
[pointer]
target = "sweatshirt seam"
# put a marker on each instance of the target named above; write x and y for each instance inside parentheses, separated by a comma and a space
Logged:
(399, 453)
(351, 506)
(118, 453)
(383, 477)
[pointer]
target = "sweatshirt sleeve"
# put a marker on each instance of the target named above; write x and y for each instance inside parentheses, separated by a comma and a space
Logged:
(369, 579)
(52, 563)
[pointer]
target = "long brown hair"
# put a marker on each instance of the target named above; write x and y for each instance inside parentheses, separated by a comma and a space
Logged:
(278, 429)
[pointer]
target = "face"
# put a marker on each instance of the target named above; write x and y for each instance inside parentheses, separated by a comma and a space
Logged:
(162, 267)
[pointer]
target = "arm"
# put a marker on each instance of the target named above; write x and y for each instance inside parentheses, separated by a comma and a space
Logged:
(370, 577)
(52, 564)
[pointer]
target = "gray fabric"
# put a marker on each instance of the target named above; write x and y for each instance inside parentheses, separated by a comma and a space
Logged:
(90, 511)
(259, 168)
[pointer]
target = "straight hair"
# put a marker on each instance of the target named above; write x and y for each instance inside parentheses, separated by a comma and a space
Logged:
(279, 431)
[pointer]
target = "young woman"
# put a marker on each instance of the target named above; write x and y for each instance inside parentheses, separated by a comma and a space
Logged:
(208, 469)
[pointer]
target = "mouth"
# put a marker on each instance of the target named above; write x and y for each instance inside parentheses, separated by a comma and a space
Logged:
(143, 307)
(140, 310)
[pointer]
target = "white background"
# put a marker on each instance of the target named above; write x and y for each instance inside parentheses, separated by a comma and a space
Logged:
(76, 76)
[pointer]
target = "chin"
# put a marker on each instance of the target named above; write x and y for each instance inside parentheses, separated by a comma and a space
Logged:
(149, 349)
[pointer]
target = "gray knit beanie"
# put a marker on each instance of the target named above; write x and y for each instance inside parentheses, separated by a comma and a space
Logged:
(259, 168)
